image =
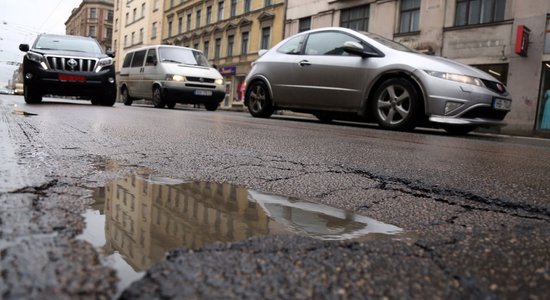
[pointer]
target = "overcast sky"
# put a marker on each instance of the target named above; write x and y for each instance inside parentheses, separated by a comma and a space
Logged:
(21, 20)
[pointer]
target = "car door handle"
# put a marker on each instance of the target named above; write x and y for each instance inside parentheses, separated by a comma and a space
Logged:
(304, 63)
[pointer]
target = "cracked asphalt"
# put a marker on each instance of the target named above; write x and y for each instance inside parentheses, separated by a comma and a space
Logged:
(478, 206)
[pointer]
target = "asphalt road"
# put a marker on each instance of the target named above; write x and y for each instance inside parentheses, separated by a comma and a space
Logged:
(477, 206)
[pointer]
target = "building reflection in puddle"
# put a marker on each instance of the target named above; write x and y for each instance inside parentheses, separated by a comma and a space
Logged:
(145, 216)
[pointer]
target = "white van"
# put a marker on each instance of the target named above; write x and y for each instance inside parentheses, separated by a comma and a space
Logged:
(168, 75)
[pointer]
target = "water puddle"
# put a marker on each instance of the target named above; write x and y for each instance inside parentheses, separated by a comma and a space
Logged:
(135, 221)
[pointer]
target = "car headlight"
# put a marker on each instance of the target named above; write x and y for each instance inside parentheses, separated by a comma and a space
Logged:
(219, 81)
(456, 77)
(173, 77)
(104, 62)
(37, 58)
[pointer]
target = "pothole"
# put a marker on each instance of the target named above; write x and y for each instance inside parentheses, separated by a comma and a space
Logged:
(135, 221)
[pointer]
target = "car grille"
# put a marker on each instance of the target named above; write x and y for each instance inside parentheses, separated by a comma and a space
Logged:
(485, 113)
(200, 79)
(71, 64)
(496, 87)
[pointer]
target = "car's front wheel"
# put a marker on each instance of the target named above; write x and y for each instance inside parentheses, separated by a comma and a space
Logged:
(211, 106)
(125, 96)
(31, 96)
(259, 101)
(158, 98)
(396, 105)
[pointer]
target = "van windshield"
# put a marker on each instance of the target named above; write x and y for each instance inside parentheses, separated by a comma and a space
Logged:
(183, 56)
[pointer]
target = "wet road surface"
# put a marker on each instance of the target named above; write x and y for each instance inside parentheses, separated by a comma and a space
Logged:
(477, 206)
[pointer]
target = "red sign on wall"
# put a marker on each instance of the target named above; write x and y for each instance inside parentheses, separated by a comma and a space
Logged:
(522, 40)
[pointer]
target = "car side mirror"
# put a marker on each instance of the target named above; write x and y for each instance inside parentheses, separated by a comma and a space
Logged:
(358, 49)
(110, 53)
(24, 47)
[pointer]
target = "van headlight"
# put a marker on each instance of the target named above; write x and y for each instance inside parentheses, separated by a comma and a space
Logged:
(104, 62)
(456, 77)
(173, 77)
(219, 81)
(37, 58)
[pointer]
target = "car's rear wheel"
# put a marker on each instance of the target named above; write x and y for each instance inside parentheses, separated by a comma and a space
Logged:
(459, 130)
(158, 98)
(125, 96)
(211, 106)
(31, 96)
(259, 101)
(396, 105)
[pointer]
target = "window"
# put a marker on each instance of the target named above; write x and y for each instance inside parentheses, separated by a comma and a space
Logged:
(151, 59)
(127, 60)
(356, 18)
(244, 43)
(133, 40)
(208, 15)
(188, 21)
(547, 42)
(220, 10)
(180, 25)
(143, 10)
(141, 35)
(169, 28)
(217, 48)
(198, 20)
(230, 43)
(470, 12)
(109, 17)
(125, 41)
(91, 31)
(543, 115)
(93, 13)
(266, 36)
(304, 24)
(109, 33)
(127, 18)
(134, 14)
(267, 2)
(154, 30)
(206, 46)
(328, 43)
(292, 46)
(247, 5)
(139, 56)
(233, 8)
(409, 16)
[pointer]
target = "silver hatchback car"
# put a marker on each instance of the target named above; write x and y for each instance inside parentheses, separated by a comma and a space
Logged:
(338, 73)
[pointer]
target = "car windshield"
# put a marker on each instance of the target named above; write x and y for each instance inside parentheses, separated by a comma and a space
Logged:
(183, 56)
(68, 44)
(388, 43)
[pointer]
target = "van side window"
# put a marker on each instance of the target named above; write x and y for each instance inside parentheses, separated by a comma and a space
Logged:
(139, 56)
(127, 60)
(151, 57)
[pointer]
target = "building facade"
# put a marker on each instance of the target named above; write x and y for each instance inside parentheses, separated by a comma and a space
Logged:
(92, 18)
(510, 39)
(229, 32)
(138, 23)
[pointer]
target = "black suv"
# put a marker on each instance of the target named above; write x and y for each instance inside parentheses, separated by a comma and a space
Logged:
(67, 65)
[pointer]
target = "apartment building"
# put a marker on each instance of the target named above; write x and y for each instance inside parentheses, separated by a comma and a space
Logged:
(138, 23)
(230, 32)
(510, 39)
(92, 18)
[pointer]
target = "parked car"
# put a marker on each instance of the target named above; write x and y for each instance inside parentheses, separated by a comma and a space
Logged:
(168, 75)
(334, 72)
(67, 65)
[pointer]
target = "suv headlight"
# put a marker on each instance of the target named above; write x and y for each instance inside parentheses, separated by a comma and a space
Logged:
(37, 58)
(456, 77)
(104, 62)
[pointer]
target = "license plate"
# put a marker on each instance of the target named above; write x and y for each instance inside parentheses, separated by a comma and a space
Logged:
(502, 104)
(203, 93)
(72, 78)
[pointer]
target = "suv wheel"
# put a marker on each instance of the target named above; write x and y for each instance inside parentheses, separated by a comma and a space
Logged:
(31, 96)
(158, 98)
(211, 106)
(108, 99)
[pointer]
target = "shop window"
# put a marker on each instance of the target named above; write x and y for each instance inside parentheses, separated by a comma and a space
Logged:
(544, 103)
(499, 71)
(356, 18)
(471, 12)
